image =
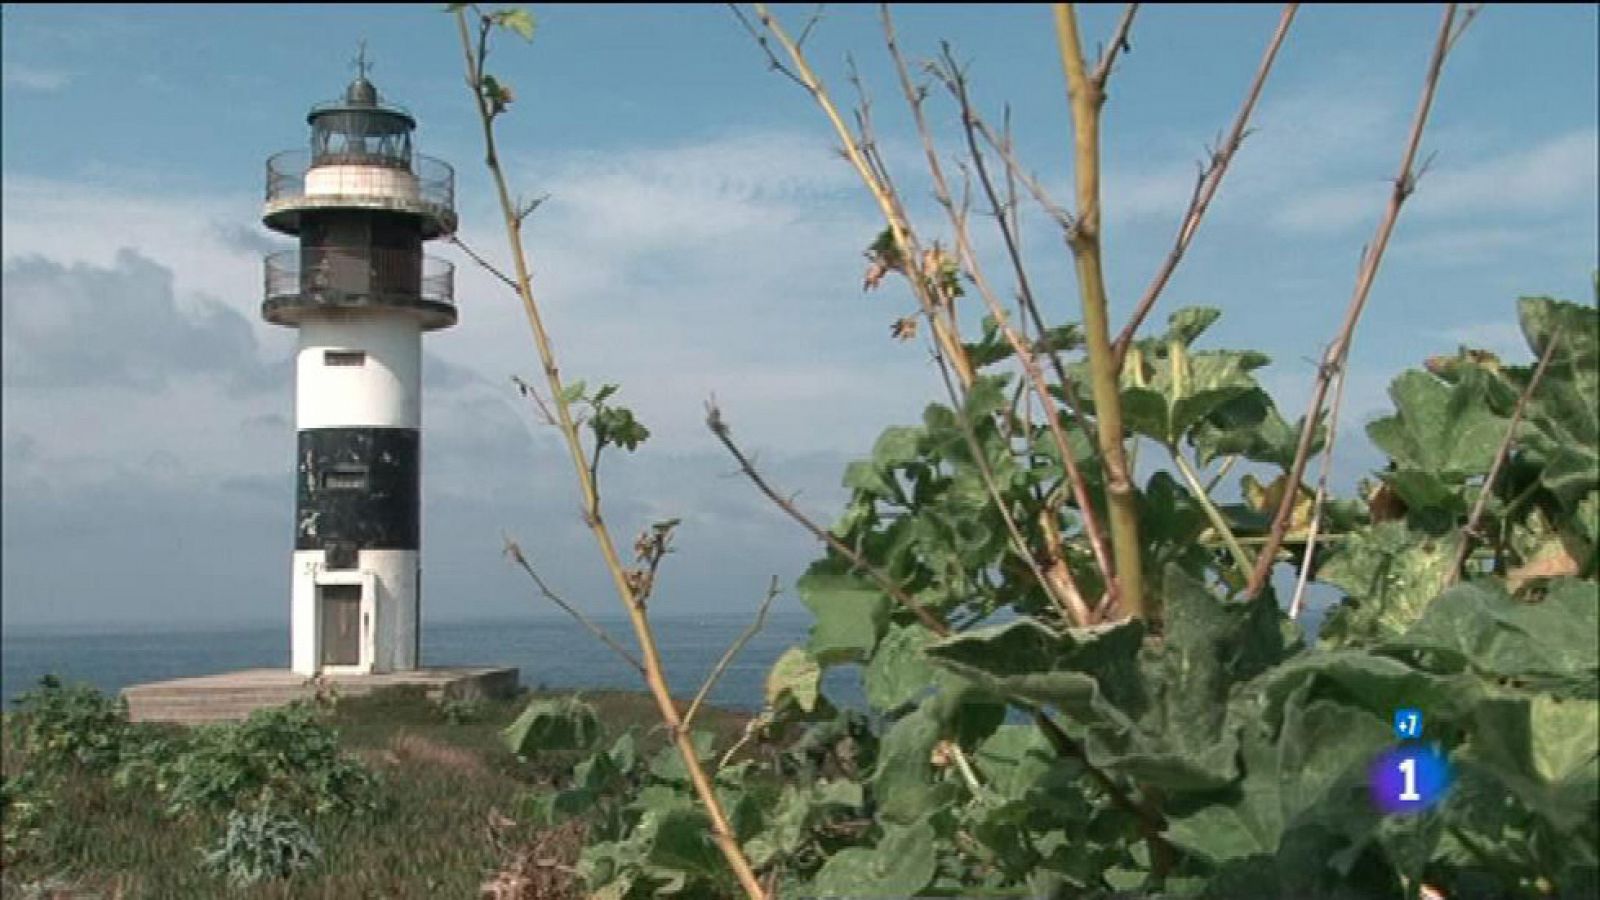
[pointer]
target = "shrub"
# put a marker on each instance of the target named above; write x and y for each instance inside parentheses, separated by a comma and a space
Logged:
(286, 758)
(59, 725)
(262, 845)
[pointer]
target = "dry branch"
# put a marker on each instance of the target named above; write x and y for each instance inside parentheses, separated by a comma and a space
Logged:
(1338, 352)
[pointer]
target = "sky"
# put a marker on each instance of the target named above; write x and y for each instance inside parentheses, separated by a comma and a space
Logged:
(700, 238)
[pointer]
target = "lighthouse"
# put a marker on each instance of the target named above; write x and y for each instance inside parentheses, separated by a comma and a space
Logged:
(361, 293)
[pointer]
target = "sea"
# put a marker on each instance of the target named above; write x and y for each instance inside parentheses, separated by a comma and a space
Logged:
(558, 654)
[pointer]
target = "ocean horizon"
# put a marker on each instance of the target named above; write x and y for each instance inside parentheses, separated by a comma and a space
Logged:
(550, 652)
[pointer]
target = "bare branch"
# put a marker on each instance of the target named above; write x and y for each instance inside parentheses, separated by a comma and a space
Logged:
(729, 654)
(1339, 351)
(1119, 42)
(1470, 532)
(514, 550)
(529, 390)
(1205, 188)
(487, 266)
(719, 428)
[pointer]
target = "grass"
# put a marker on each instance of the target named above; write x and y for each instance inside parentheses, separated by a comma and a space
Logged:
(451, 818)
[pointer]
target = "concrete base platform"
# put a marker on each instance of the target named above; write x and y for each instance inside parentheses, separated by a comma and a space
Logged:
(234, 695)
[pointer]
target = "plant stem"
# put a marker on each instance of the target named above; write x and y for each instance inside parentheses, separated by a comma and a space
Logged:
(1206, 189)
(728, 655)
(1087, 97)
(655, 677)
(1240, 557)
(1339, 351)
(1470, 532)
(1316, 503)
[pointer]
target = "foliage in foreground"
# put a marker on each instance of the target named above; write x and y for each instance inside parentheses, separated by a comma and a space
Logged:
(270, 775)
(1214, 752)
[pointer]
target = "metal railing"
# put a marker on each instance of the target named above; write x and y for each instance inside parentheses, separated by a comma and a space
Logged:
(376, 276)
(286, 178)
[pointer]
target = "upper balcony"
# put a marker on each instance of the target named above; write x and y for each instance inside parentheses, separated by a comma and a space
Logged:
(299, 281)
(425, 188)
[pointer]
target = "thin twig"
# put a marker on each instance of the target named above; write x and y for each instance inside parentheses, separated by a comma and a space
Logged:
(1338, 352)
(955, 82)
(514, 550)
(473, 255)
(1470, 532)
(946, 332)
(1119, 42)
(529, 390)
(1206, 188)
(729, 654)
(1295, 604)
(1060, 590)
(719, 428)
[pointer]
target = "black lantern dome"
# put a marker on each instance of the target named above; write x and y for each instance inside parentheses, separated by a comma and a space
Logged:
(361, 130)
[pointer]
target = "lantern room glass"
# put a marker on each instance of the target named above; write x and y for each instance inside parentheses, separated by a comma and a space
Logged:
(361, 137)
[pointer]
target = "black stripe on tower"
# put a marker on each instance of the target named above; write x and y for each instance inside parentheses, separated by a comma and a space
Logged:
(358, 490)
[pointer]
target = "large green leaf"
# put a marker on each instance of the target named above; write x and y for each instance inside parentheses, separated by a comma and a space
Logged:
(1183, 389)
(1087, 672)
(1479, 625)
(564, 724)
(850, 612)
(1322, 748)
(1450, 430)
(1250, 425)
(1564, 413)
(1182, 740)
(1389, 575)
(683, 842)
(899, 672)
(904, 782)
(795, 676)
(901, 865)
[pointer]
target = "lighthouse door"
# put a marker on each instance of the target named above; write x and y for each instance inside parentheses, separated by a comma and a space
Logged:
(341, 624)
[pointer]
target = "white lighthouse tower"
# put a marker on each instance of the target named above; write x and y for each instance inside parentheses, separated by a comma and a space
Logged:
(361, 293)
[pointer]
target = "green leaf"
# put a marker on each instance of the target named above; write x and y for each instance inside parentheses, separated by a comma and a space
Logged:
(668, 763)
(904, 782)
(1088, 672)
(1389, 575)
(1323, 746)
(1190, 322)
(851, 613)
(1183, 389)
(683, 842)
(564, 724)
(519, 20)
(1249, 425)
(901, 865)
(1542, 317)
(1449, 430)
(795, 675)
(1478, 624)
(573, 392)
(899, 672)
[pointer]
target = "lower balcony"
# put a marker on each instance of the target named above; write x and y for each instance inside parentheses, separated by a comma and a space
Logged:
(299, 282)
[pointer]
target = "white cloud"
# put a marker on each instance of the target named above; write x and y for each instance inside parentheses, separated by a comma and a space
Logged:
(1555, 175)
(30, 78)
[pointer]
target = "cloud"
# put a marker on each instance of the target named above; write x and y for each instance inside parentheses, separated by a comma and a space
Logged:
(30, 78)
(1558, 174)
(85, 325)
